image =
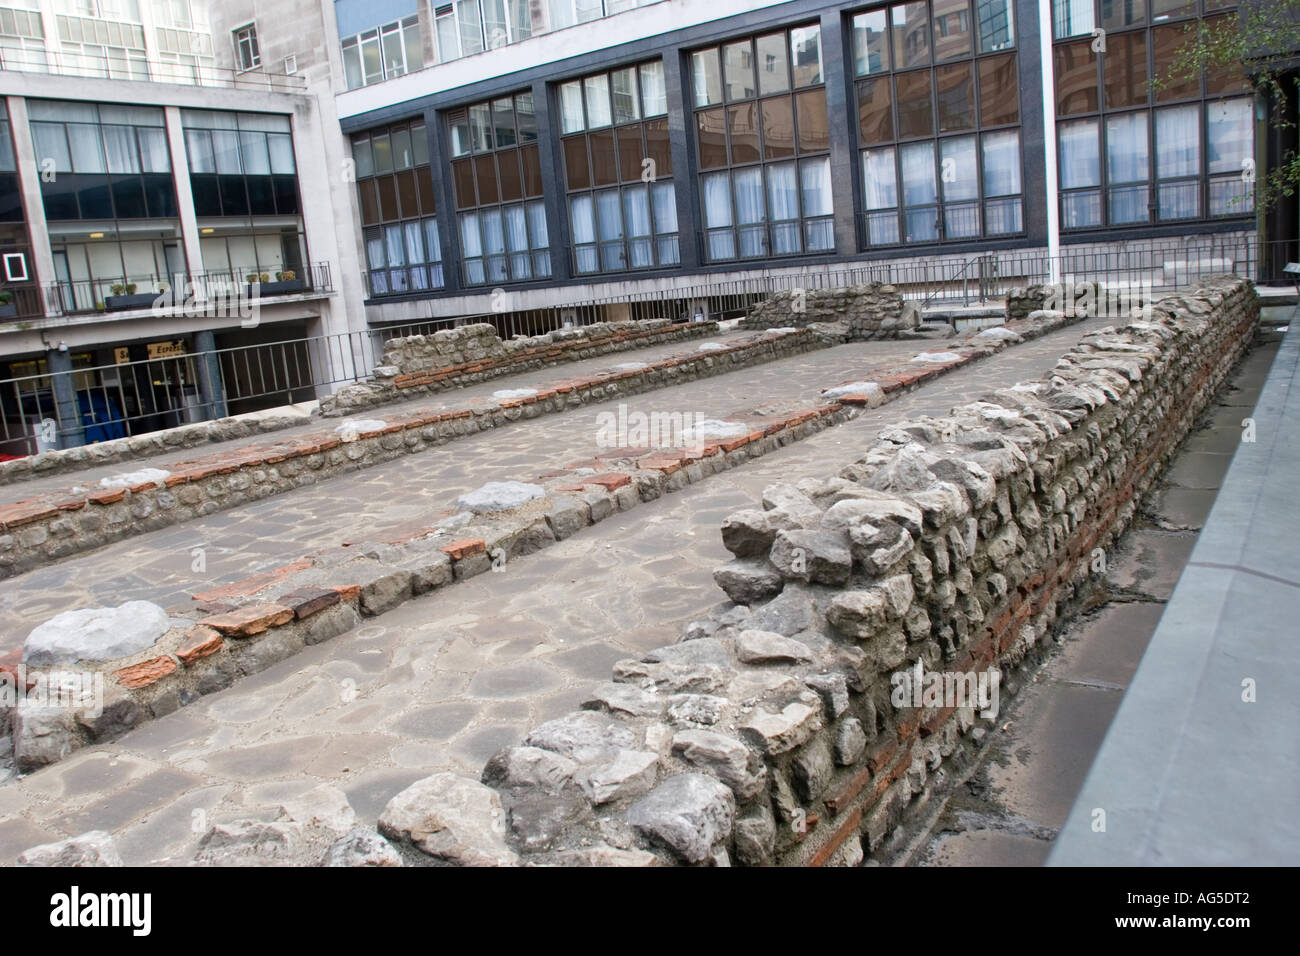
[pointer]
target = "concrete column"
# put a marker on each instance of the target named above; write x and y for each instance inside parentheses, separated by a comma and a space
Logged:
(29, 183)
(553, 183)
(184, 204)
(835, 59)
(681, 137)
(71, 432)
(211, 392)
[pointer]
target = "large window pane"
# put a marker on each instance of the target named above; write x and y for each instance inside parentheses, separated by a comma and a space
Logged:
(875, 111)
(815, 187)
(707, 77)
(956, 97)
(952, 29)
(1124, 69)
(1126, 147)
(738, 62)
(999, 90)
(871, 42)
(1076, 78)
(571, 107)
(918, 174)
(773, 64)
(911, 30)
(806, 55)
(814, 127)
(997, 26)
(879, 178)
(626, 105)
(596, 89)
(782, 192)
(914, 90)
(742, 121)
(1072, 18)
(1001, 163)
(778, 128)
(1178, 142)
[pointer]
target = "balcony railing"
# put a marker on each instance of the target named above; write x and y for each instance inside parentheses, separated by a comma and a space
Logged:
(152, 71)
(178, 292)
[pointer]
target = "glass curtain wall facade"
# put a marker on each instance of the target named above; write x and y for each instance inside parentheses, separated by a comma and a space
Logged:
(619, 170)
(938, 121)
(110, 203)
(763, 145)
(243, 177)
(497, 174)
(395, 193)
(1132, 153)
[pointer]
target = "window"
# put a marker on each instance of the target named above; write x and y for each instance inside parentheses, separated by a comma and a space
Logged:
(938, 121)
(762, 137)
(497, 175)
(115, 158)
(383, 53)
(1131, 155)
(247, 54)
(618, 170)
(395, 192)
(241, 164)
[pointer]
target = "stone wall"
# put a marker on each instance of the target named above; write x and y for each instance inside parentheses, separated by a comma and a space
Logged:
(868, 311)
(55, 525)
(771, 732)
(453, 358)
(1021, 302)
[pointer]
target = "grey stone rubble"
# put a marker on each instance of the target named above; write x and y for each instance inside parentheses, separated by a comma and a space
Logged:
(93, 849)
(479, 343)
(95, 634)
(772, 725)
(872, 310)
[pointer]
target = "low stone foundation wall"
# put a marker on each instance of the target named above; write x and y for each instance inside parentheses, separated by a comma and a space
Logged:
(44, 529)
(454, 358)
(775, 731)
(869, 311)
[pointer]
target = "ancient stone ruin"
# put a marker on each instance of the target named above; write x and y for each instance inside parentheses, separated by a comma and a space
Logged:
(872, 310)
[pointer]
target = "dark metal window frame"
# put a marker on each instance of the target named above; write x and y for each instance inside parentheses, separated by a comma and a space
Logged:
(797, 157)
(1201, 12)
(977, 131)
(619, 186)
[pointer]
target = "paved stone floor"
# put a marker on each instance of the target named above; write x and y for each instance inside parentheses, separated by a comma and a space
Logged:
(453, 398)
(446, 680)
(1009, 809)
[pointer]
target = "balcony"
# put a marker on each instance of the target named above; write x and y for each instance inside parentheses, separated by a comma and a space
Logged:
(179, 293)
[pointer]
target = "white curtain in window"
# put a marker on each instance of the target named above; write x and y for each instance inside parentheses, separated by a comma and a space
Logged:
(119, 147)
(782, 192)
(717, 200)
(517, 241)
(471, 242)
(748, 186)
(654, 95)
(154, 155)
(374, 252)
(582, 215)
(1072, 17)
(414, 242)
(1079, 154)
(52, 143)
(636, 220)
(879, 178)
(571, 107)
(597, 90)
(253, 154)
(665, 204)
(1229, 139)
(393, 246)
(471, 27)
(225, 144)
(537, 224)
(1002, 163)
(1178, 142)
(815, 187)
(87, 148)
(432, 241)
(959, 168)
(1126, 147)
(494, 245)
(918, 174)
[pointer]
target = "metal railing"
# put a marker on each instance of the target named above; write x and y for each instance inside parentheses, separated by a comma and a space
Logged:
(141, 70)
(96, 403)
(124, 293)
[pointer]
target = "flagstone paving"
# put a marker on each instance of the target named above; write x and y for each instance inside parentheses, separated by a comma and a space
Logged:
(446, 680)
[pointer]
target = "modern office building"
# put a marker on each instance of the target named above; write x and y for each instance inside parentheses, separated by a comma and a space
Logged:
(411, 162)
(511, 156)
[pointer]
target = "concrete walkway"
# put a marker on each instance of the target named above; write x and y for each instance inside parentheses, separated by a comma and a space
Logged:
(446, 680)
(1012, 806)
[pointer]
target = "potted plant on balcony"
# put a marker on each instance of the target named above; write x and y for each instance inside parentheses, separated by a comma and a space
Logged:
(123, 296)
(285, 282)
(8, 308)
